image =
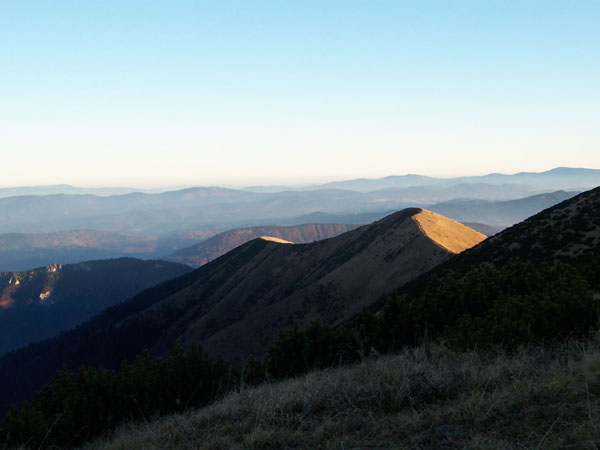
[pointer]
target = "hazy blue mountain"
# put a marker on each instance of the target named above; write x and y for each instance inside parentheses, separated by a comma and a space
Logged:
(218, 209)
(22, 251)
(483, 228)
(133, 213)
(566, 178)
(274, 189)
(63, 189)
(359, 184)
(395, 181)
(500, 214)
(324, 217)
(442, 192)
(206, 209)
(177, 211)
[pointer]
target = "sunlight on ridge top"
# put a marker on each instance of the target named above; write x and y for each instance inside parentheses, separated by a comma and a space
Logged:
(447, 233)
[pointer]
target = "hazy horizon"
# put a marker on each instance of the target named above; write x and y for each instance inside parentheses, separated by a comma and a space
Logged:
(161, 187)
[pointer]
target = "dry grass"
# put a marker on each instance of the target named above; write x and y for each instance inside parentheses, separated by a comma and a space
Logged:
(540, 397)
(447, 233)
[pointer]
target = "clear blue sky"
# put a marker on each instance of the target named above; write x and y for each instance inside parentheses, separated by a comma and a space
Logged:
(151, 93)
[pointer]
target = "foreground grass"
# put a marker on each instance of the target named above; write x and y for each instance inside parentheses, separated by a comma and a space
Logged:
(540, 397)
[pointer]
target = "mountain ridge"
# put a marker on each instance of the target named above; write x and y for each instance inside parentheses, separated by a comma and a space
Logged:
(236, 304)
(219, 244)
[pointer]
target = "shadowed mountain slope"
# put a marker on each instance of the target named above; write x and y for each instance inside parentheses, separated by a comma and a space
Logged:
(236, 304)
(199, 254)
(237, 313)
(40, 303)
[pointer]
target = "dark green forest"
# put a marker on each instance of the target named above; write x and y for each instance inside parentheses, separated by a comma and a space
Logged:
(486, 305)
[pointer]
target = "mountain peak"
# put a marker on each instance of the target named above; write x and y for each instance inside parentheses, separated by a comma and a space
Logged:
(447, 233)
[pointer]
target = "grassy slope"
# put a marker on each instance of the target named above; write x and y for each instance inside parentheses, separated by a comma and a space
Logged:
(540, 397)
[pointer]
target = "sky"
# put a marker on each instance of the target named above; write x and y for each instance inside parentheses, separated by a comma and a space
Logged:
(176, 93)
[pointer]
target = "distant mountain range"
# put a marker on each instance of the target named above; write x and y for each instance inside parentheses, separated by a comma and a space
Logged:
(197, 209)
(40, 303)
(566, 178)
(500, 214)
(217, 209)
(236, 304)
(200, 254)
(174, 212)
(63, 189)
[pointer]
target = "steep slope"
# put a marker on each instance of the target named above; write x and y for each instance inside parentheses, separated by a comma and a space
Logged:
(238, 312)
(236, 304)
(40, 303)
(566, 231)
(212, 248)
